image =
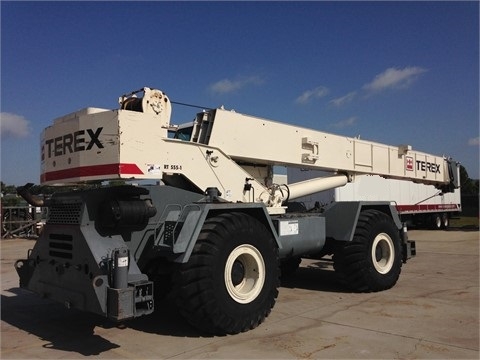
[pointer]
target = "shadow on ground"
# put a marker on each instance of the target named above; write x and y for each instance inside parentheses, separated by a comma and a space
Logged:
(316, 275)
(74, 331)
(62, 329)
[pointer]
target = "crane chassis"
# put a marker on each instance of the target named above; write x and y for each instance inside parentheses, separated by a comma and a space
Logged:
(215, 230)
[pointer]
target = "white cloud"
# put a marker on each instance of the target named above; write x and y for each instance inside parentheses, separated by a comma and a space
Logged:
(226, 85)
(345, 123)
(12, 125)
(308, 95)
(474, 141)
(394, 78)
(344, 99)
(391, 78)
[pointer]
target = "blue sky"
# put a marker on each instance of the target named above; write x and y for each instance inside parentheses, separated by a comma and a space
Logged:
(391, 72)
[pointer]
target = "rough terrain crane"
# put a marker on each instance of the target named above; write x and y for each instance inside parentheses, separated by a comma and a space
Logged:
(214, 223)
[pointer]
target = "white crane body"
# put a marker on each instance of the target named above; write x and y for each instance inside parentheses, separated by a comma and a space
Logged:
(215, 223)
(223, 149)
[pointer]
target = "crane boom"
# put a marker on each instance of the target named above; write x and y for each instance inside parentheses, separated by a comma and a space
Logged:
(255, 140)
(224, 149)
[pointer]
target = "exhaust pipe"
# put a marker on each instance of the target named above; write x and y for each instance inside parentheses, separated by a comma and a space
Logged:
(24, 192)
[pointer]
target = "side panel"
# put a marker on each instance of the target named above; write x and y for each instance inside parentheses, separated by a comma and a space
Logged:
(79, 146)
(341, 217)
(100, 144)
(300, 234)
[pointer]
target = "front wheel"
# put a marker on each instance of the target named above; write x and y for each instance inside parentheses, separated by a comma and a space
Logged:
(244, 273)
(372, 261)
(230, 283)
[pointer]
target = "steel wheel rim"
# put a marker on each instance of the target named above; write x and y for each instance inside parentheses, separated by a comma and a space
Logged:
(383, 253)
(244, 289)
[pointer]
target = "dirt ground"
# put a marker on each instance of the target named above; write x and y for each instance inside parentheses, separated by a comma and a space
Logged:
(432, 312)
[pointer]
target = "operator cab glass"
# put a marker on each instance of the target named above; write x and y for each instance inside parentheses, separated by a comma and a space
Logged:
(183, 132)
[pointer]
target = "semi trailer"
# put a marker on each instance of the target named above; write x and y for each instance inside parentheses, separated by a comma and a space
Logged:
(200, 211)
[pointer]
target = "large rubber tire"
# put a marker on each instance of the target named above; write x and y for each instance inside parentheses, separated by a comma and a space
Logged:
(372, 261)
(230, 283)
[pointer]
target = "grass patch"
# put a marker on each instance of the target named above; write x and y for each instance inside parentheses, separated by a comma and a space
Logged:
(464, 222)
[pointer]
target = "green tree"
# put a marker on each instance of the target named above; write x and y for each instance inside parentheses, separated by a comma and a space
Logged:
(469, 186)
(8, 189)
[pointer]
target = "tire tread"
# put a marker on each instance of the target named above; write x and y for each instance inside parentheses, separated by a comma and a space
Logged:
(351, 259)
(196, 299)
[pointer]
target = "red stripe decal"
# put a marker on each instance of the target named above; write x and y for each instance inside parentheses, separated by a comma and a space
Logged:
(426, 207)
(94, 170)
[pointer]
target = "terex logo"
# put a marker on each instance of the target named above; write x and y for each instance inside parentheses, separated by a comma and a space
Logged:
(431, 167)
(71, 143)
(409, 163)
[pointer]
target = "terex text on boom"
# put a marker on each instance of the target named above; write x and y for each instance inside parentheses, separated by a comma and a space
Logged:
(428, 166)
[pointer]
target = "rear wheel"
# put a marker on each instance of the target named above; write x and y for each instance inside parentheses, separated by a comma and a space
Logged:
(445, 221)
(230, 283)
(436, 222)
(372, 261)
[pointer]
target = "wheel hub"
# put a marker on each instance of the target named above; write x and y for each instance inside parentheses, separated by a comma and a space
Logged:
(238, 273)
(379, 253)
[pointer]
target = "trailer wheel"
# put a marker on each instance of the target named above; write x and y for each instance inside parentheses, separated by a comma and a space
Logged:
(436, 222)
(230, 283)
(445, 221)
(372, 261)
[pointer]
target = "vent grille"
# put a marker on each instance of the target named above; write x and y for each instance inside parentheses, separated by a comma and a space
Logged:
(61, 246)
(169, 232)
(65, 213)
